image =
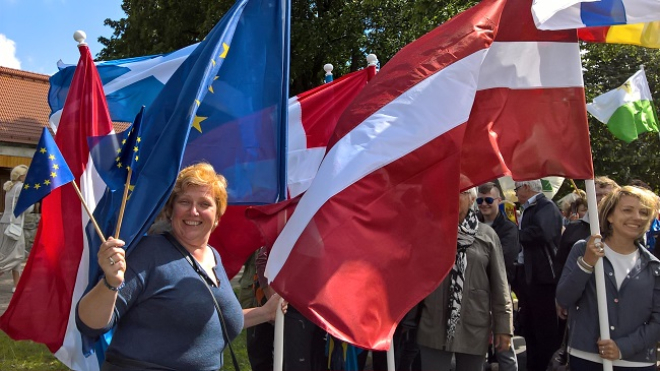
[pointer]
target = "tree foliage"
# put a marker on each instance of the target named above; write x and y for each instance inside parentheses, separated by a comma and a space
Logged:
(606, 67)
(343, 32)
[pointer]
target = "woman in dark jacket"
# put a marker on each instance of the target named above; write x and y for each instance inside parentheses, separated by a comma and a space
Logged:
(632, 281)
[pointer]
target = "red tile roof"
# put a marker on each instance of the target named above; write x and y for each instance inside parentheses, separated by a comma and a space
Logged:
(24, 108)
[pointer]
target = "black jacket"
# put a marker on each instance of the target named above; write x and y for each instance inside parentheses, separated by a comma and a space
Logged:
(575, 231)
(540, 233)
(507, 231)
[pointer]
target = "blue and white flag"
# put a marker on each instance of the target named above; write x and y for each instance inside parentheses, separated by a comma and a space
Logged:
(240, 127)
(128, 83)
(569, 14)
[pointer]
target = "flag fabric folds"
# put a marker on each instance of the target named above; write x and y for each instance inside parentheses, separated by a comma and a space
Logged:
(530, 94)
(383, 208)
(115, 154)
(48, 170)
(312, 118)
(55, 275)
(163, 134)
(380, 211)
(569, 14)
(627, 110)
(240, 127)
(640, 34)
(128, 83)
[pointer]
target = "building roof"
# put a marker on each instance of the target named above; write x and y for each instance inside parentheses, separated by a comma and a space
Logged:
(24, 108)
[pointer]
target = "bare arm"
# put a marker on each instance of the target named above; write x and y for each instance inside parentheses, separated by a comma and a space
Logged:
(96, 307)
(259, 315)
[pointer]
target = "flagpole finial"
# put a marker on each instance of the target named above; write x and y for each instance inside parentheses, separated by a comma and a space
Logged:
(372, 60)
(328, 69)
(80, 37)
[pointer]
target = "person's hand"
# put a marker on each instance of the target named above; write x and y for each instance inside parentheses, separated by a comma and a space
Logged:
(272, 304)
(561, 312)
(608, 349)
(112, 260)
(595, 250)
(574, 217)
(502, 342)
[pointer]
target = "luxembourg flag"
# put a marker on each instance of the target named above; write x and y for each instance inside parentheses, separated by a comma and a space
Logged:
(569, 14)
(59, 260)
(313, 116)
(382, 211)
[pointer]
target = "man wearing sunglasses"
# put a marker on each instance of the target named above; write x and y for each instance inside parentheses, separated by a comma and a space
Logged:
(488, 201)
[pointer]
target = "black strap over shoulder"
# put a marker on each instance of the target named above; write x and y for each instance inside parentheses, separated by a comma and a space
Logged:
(205, 279)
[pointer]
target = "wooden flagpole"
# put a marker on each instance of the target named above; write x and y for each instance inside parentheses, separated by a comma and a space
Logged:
(89, 213)
(123, 202)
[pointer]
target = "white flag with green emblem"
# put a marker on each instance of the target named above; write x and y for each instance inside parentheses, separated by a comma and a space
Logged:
(627, 110)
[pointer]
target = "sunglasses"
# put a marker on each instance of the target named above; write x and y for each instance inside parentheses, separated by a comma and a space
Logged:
(517, 188)
(489, 200)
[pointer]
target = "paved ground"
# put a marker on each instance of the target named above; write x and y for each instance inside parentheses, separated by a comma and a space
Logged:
(6, 284)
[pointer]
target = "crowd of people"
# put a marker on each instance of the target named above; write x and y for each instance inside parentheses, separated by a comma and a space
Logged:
(173, 291)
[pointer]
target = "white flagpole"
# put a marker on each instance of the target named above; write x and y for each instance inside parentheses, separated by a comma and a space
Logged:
(390, 357)
(278, 347)
(601, 295)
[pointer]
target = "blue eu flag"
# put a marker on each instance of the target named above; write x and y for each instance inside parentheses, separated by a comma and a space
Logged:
(115, 154)
(47, 172)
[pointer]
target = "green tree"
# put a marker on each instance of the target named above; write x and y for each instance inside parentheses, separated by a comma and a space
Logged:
(340, 32)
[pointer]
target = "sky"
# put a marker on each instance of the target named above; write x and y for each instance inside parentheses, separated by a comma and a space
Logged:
(35, 34)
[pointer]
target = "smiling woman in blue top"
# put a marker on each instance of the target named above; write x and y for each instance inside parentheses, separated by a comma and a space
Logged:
(157, 298)
(632, 285)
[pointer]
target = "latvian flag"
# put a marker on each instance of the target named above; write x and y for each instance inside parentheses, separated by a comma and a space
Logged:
(376, 231)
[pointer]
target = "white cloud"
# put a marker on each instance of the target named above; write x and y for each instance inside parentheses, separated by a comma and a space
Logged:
(8, 53)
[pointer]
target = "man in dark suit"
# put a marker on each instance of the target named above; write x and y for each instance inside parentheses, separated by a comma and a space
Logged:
(540, 231)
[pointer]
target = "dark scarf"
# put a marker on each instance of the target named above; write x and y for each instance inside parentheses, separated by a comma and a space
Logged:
(466, 232)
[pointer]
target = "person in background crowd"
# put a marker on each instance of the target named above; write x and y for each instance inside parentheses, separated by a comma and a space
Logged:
(457, 318)
(259, 338)
(161, 300)
(540, 231)
(12, 251)
(632, 284)
(651, 236)
(488, 201)
(568, 206)
(304, 341)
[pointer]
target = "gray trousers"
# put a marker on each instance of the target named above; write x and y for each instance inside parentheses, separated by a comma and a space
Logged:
(440, 360)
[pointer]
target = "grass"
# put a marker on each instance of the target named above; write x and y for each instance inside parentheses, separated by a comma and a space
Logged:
(26, 355)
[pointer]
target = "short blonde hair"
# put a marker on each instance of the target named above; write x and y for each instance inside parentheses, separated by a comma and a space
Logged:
(16, 173)
(647, 198)
(201, 175)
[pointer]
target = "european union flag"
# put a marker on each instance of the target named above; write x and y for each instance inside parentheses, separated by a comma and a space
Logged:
(240, 127)
(115, 154)
(48, 171)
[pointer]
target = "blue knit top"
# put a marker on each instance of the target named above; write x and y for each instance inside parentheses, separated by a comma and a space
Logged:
(165, 316)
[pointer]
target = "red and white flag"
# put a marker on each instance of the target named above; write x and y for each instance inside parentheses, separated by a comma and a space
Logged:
(529, 118)
(56, 273)
(376, 231)
(313, 116)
